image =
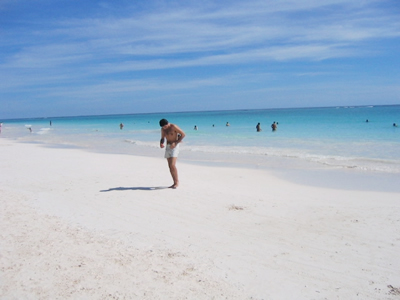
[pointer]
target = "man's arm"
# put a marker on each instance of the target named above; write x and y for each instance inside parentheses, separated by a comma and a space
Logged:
(180, 132)
(162, 140)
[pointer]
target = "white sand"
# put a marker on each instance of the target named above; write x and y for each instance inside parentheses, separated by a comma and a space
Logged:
(80, 225)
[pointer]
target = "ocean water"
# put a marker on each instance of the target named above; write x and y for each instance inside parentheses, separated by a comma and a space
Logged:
(334, 137)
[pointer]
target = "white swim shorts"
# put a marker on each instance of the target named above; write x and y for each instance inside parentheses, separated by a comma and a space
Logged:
(171, 152)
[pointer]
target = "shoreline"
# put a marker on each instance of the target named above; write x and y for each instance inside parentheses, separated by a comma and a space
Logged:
(291, 169)
(93, 225)
(341, 140)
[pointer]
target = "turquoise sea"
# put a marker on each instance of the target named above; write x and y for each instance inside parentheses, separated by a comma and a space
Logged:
(333, 137)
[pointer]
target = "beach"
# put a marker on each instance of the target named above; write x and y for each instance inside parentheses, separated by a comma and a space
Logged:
(77, 224)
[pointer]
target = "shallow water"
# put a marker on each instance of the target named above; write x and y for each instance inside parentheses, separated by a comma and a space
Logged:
(336, 137)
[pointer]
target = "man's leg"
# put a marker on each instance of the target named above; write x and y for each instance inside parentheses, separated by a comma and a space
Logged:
(174, 171)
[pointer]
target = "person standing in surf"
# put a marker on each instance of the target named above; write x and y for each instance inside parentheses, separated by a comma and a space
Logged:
(274, 126)
(174, 135)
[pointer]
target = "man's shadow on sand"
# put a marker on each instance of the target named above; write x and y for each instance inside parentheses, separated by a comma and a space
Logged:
(138, 188)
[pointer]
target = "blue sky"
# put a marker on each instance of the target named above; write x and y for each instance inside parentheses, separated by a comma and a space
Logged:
(74, 57)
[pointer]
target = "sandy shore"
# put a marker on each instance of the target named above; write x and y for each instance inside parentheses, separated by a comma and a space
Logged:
(81, 225)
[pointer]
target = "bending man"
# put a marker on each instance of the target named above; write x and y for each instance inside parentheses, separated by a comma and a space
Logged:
(174, 135)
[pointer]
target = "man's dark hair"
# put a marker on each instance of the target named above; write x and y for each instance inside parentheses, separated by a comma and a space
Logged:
(163, 122)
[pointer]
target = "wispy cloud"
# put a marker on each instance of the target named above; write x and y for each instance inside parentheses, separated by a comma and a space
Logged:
(227, 29)
(101, 50)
